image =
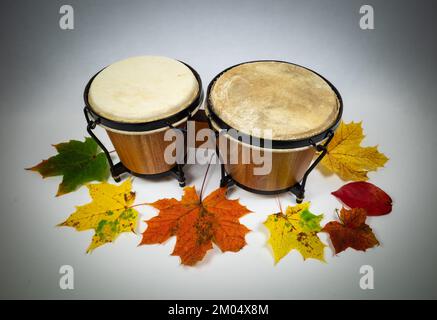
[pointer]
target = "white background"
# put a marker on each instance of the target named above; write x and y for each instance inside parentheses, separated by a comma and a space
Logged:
(385, 77)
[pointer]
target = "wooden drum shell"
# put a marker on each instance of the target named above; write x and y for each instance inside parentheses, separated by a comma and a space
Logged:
(142, 153)
(287, 167)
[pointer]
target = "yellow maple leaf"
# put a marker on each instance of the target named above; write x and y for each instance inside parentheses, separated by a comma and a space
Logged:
(347, 158)
(296, 229)
(109, 214)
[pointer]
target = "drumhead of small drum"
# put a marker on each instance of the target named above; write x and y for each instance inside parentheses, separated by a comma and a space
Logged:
(142, 89)
(291, 101)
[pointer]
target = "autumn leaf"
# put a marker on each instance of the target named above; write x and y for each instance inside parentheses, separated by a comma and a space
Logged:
(109, 214)
(197, 224)
(296, 229)
(351, 231)
(78, 162)
(365, 195)
(347, 158)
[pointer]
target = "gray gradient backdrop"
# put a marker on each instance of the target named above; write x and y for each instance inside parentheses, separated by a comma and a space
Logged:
(386, 77)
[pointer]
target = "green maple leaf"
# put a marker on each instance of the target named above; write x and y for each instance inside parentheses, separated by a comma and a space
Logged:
(78, 162)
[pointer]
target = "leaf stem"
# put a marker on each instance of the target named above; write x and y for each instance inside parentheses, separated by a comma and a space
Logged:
(279, 204)
(338, 216)
(139, 204)
(204, 178)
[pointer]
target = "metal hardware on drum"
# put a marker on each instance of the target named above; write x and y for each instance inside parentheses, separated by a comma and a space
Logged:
(118, 169)
(298, 189)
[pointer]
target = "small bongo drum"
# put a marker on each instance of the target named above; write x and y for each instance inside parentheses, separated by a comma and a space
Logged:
(299, 108)
(136, 101)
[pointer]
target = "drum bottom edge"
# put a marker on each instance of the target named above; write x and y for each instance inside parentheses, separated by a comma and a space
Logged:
(258, 191)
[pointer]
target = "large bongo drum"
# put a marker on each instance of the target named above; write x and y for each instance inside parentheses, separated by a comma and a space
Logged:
(137, 101)
(297, 107)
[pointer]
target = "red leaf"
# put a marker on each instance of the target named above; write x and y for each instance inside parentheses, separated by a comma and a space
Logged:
(351, 232)
(365, 195)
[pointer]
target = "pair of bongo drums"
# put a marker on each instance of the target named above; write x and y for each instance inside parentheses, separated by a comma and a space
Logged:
(284, 113)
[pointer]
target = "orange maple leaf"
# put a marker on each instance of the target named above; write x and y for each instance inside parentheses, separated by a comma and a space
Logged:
(197, 224)
(351, 232)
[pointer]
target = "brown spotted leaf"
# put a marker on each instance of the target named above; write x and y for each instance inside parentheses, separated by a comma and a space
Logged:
(351, 231)
(109, 214)
(198, 224)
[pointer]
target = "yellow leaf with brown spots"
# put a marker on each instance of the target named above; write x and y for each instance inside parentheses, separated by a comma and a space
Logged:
(109, 214)
(296, 229)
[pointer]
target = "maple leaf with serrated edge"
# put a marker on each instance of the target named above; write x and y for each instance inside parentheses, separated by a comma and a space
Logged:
(109, 214)
(296, 229)
(78, 162)
(351, 231)
(197, 224)
(347, 158)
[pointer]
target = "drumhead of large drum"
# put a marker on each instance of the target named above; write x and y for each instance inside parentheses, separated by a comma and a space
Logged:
(142, 89)
(293, 102)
